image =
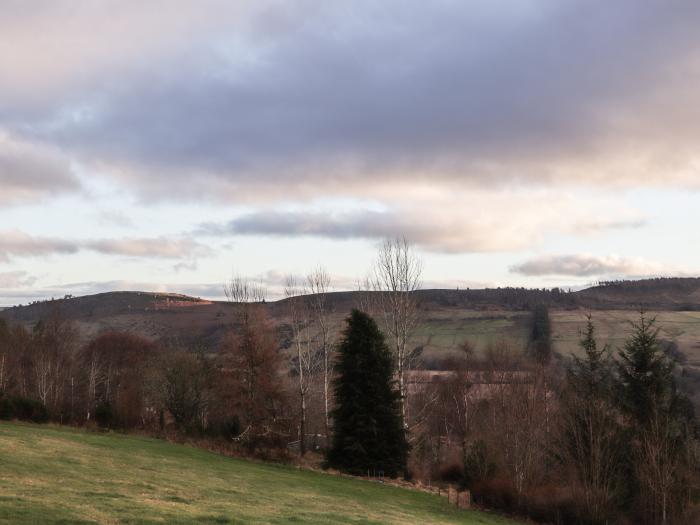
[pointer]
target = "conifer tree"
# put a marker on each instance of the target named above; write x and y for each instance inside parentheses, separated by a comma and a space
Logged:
(659, 425)
(540, 346)
(368, 431)
(591, 437)
(645, 375)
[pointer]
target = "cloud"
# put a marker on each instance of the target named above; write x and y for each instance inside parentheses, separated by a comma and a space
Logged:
(16, 279)
(15, 243)
(115, 218)
(31, 170)
(92, 44)
(159, 247)
(477, 221)
(583, 265)
(266, 102)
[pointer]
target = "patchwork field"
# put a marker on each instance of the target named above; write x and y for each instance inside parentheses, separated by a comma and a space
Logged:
(51, 476)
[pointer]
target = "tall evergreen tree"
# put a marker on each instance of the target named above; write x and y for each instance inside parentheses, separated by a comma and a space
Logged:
(660, 426)
(540, 347)
(645, 375)
(591, 437)
(368, 433)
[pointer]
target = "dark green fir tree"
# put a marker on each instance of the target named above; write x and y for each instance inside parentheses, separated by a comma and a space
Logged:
(368, 432)
(646, 386)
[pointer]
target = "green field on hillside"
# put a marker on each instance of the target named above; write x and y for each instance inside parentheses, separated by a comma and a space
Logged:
(442, 331)
(50, 476)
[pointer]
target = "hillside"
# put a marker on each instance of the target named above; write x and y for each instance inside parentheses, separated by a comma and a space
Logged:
(53, 476)
(448, 317)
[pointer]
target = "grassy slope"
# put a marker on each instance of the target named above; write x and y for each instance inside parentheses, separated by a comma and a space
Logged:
(443, 330)
(50, 475)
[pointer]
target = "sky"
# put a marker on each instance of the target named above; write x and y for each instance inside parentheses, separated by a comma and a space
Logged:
(166, 145)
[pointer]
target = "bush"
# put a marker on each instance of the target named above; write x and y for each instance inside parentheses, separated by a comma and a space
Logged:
(104, 415)
(227, 428)
(497, 493)
(6, 410)
(544, 504)
(477, 466)
(24, 409)
(451, 473)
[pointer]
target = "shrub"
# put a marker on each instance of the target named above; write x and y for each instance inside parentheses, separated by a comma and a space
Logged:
(104, 415)
(451, 473)
(6, 411)
(497, 493)
(24, 409)
(477, 466)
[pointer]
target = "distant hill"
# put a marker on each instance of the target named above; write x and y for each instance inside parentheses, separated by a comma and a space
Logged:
(176, 316)
(166, 316)
(448, 318)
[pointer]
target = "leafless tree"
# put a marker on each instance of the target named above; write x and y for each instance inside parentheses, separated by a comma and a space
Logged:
(307, 358)
(94, 377)
(4, 350)
(253, 357)
(319, 283)
(513, 423)
(396, 276)
(659, 465)
(365, 298)
(243, 293)
(53, 346)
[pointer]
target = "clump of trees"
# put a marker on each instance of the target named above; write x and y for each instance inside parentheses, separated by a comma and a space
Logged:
(611, 439)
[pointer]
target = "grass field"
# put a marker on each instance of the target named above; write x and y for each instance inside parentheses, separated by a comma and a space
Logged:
(50, 476)
(441, 332)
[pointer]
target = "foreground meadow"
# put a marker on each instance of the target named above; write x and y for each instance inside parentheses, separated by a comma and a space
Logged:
(51, 475)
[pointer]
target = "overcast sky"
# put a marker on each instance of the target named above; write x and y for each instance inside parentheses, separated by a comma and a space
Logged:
(163, 145)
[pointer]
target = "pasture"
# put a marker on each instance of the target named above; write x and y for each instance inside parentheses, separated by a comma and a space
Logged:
(55, 475)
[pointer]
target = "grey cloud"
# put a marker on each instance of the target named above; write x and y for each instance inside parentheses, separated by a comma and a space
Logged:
(19, 244)
(16, 279)
(161, 247)
(339, 94)
(447, 227)
(348, 225)
(29, 171)
(582, 265)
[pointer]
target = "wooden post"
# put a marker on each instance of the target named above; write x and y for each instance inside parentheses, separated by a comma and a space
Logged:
(452, 496)
(465, 500)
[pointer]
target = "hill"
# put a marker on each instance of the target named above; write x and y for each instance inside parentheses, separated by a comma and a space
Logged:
(53, 476)
(448, 317)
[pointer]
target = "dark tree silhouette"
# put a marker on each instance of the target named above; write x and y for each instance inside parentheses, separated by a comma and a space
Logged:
(540, 347)
(368, 433)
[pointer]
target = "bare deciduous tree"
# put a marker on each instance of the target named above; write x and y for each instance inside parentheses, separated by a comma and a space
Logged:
(659, 467)
(319, 283)
(396, 276)
(253, 358)
(307, 358)
(4, 349)
(94, 377)
(243, 293)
